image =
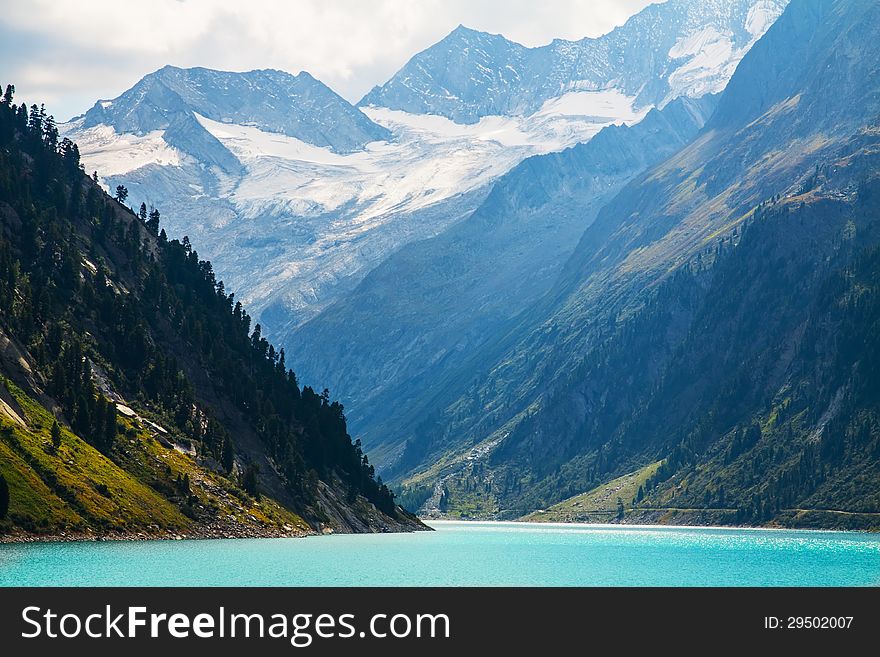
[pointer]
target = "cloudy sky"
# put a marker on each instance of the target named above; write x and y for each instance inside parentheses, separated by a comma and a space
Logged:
(70, 53)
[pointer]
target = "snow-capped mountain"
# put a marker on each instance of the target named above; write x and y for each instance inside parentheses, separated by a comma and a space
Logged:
(294, 105)
(680, 47)
(295, 194)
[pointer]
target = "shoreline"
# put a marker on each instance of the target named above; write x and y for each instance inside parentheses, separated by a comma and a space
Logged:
(635, 526)
(20, 537)
(217, 532)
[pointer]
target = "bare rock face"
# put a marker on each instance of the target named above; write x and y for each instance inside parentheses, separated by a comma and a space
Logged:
(360, 516)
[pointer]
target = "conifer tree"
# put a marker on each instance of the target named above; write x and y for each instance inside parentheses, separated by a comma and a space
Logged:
(249, 480)
(228, 458)
(153, 223)
(56, 434)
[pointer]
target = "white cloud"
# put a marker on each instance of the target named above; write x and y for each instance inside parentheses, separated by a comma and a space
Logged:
(70, 54)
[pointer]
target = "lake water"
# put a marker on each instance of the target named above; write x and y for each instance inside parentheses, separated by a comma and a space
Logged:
(461, 554)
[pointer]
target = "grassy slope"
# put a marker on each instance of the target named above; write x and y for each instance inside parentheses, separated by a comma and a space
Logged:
(599, 504)
(76, 489)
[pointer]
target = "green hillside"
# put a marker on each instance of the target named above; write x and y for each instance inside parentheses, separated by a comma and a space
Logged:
(135, 396)
(601, 503)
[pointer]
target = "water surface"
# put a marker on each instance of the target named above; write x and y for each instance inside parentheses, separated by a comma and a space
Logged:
(463, 554)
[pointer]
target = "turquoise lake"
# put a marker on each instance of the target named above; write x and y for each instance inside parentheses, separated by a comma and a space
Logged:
(462, 554)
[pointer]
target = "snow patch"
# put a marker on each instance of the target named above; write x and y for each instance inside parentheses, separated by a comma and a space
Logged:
(712, 60)
(694, 44)
(577, 116)
(760, 17)
(607, 106)
(112, 153)
(710, 56)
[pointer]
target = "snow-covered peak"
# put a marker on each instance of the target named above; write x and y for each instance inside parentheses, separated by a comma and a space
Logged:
(294, 105)
(467, 68)
(675, 48)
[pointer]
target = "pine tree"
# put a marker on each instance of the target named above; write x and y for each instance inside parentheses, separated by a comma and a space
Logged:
(50, 132)
(228, 458)
(153, 223)
(56, 434)
(249, 480)
(121, 193)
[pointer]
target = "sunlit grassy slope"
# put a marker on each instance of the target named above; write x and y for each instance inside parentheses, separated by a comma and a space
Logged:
(76, 489)
(599, 504)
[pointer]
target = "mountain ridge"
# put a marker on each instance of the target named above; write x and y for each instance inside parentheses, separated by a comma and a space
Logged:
(678, 47)
(312, 222)
(297, 106)
(482, 272)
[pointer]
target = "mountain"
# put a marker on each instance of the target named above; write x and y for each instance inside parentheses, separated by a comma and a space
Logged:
(296, 223)
(383, 341)
(716, 317)
(134, 398)
(670, 49)
(274, 101)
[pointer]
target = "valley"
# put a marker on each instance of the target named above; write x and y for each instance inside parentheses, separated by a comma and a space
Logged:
(629, 279)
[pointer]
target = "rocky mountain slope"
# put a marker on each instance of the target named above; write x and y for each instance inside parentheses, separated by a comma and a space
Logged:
(431, 306)
(274, 101)
(717, 316)
(670, 49)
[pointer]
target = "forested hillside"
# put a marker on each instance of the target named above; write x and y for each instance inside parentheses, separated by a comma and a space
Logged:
(752, 374)
(136, 396)
(746, 385)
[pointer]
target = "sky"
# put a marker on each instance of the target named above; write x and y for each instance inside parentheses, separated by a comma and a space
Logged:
(70, 54)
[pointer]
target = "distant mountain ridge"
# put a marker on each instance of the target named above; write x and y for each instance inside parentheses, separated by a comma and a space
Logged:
(678, 47)
(294, 105)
